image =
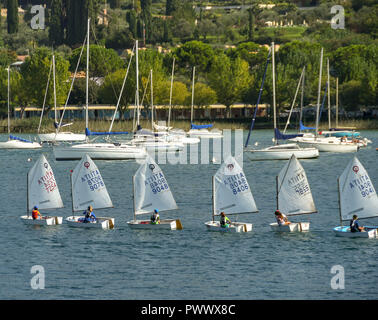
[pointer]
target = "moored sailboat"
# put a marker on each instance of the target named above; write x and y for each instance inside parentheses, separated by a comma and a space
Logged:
(276, 152)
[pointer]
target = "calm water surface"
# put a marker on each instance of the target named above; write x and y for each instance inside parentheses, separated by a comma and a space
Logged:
(192, 263)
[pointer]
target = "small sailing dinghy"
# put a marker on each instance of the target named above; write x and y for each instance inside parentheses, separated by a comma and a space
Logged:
(357, 196)
(42, 192)
(151, 192)
(231, 195)
(294, 196)
(88, 189)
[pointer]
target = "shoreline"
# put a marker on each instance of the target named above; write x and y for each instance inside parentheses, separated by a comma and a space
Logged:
(30, 125)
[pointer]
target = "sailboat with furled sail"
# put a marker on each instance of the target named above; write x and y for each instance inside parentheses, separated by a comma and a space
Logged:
(277, 151)
(231, 195)
(42, 193)
(13, 141)
(294, 196)
(357, 196)
(88, 189)
(151, 192)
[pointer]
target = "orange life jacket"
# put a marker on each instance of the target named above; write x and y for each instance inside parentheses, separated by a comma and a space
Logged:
(36, 214)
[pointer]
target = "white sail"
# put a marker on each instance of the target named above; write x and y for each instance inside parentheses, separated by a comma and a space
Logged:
(357, 193)
(88, 187)
(151, 189)
(294, 193)
(43, 190)
(232, 192)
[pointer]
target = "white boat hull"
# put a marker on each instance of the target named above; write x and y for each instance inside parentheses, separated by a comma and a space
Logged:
(327, 145)
(101, 223)
(235, 227)
(274, 153)
(292, 227)
(17, 144)
(204, 133)
(163, 225)
(344, 231)
(61, 137)
(45, 221)
(99, 151)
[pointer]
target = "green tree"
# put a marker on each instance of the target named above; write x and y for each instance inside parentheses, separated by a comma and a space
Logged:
(102, 61)
(12, 16)
(230, 79)
(131, 19)
(56, 23)
(39, 63)
(194, 53)
(203, 95)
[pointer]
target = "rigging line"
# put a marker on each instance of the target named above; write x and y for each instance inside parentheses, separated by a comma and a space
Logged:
(105, 63)
(72, 83)
(44, 100)
(120, 95)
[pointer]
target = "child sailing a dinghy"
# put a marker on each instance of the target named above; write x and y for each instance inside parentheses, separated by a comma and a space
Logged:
(281, 218)
(89, 215)
(354, 226)
(36, 214)
(225, 222)
(155, 218)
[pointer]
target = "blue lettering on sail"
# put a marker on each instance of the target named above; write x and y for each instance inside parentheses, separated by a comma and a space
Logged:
(363, 184)
(237, 183)
(93, 179)
(157, 183)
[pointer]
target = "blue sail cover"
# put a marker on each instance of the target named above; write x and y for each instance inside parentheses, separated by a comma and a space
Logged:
(20, 139)
(90, 133)
(302, 127)
(280, 136)
(201, 126)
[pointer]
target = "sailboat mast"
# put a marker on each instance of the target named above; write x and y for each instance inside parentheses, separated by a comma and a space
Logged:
(137, 82)
(276, 192)
(54, 85)
(274, 93)
(87, 79)
(338, 192)
(8, 69)
(337, 102)
(27, 194)
(213, 187)
(192, 109)
(319, 88)
(134, 206)
(302, 93)
(329, 97)
(72, 193)
(170, 94)
(152, 103)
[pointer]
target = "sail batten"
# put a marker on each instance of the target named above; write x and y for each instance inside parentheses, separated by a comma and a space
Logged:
(151, 189)
(232, 192)
(88, 187)
(357, 193)
(43, 190)
(294, 193)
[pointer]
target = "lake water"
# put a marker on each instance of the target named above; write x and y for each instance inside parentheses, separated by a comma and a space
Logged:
(192, 263)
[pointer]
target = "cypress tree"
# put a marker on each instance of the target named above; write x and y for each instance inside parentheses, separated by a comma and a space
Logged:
(251, 22)
(56, 23)
(12, 16)
(132, 21)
